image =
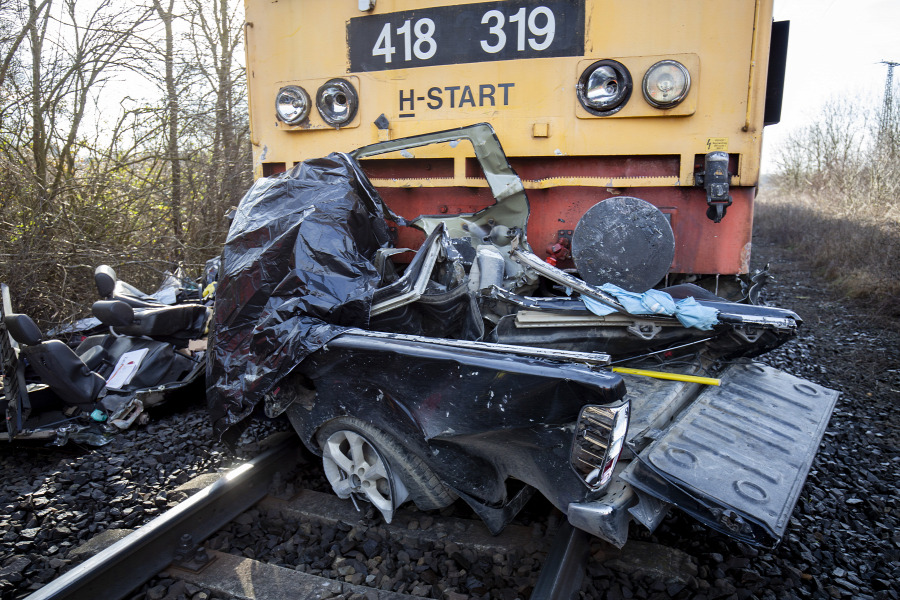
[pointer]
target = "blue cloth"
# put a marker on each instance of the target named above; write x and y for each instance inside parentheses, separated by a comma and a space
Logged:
(689, 312)
(597, 307)
(693, 314)
(631, 301)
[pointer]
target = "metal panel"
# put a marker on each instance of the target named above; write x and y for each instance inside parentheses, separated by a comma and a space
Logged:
(738, 456)
(571, 159)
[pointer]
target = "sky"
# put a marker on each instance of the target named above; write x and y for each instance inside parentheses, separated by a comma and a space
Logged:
(834, 49)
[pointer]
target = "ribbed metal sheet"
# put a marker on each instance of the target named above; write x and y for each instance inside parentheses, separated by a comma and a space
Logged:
(746, 446)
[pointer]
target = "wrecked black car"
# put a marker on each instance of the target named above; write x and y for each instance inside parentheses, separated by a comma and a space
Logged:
(478, 371)
(149, 350)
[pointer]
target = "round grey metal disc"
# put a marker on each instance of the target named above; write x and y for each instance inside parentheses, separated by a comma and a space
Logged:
(625, 241)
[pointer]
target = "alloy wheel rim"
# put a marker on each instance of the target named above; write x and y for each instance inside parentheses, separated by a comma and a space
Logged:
(355, 469)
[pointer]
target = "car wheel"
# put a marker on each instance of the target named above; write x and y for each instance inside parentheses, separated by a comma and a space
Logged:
(362, 461)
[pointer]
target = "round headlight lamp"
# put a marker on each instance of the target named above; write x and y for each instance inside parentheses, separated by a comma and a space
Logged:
(337, 102)
(666, 83)
(292, 104)
(604, 87)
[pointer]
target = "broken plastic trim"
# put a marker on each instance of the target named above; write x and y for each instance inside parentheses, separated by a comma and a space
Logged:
(415, 280)
(785, 323)
(737, 457)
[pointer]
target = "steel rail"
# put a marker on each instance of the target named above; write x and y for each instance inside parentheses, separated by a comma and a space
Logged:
(117, 571)
(563, 571)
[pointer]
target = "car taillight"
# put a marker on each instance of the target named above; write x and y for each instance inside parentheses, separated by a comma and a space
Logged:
(599, 438)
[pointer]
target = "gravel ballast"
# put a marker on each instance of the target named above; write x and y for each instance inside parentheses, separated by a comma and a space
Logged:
(843, 539)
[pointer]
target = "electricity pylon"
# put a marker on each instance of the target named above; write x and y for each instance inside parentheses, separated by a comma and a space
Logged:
(887, 117)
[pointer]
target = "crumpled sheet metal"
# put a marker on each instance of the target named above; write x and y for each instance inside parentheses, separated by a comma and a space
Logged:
(297, 270)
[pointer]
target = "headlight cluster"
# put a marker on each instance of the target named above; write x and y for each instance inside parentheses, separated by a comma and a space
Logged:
(336, 101)
(605, 87)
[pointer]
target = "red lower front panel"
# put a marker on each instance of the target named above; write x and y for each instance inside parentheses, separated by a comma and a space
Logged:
(701, 246)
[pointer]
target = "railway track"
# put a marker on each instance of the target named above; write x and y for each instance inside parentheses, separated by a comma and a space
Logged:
(194, 544)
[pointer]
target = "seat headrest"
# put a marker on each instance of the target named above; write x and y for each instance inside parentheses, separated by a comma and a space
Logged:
(114, 313)
(105, 278)
(23, 329)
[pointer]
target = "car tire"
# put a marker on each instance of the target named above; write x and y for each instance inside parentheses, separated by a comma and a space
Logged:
(424, 487)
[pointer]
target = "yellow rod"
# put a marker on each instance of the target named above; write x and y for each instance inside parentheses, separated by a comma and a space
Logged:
(672, 376)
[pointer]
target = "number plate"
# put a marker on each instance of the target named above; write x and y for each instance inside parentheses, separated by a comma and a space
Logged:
(467, 33)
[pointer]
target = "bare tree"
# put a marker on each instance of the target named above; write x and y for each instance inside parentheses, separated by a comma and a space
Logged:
(71, 54)
(216, 35)
(146, 183)
(14, 33)
(830, 155)
(167, 16)
(63, 61)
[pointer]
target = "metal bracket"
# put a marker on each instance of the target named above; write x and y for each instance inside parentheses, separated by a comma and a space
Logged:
(644, 329)
(749, 333)
(190, 556)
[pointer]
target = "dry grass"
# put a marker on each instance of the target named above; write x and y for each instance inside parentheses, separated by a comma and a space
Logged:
(857, 250)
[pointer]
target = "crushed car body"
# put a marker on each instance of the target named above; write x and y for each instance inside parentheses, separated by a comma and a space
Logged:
(476, 370)
(85, 391)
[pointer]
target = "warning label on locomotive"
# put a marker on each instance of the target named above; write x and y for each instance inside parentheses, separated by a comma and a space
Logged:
(447, 35)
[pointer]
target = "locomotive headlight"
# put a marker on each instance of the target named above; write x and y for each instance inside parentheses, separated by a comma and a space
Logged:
(292, 104)
(666, 83)
(337, 102)
(604, 87)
